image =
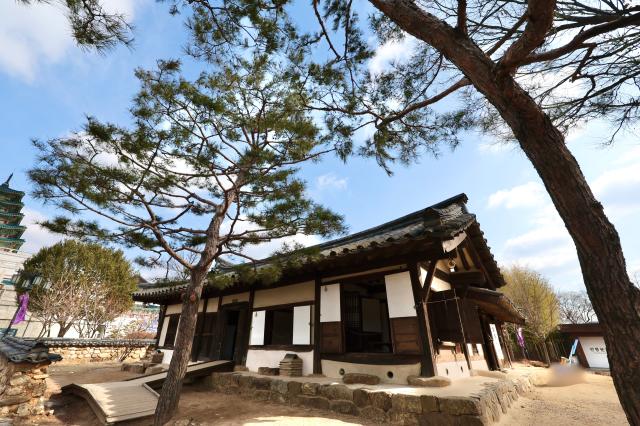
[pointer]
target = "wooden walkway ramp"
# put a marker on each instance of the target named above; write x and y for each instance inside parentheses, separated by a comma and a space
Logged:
(134, 398)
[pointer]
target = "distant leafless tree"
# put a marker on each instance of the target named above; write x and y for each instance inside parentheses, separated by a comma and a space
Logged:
(575, 307)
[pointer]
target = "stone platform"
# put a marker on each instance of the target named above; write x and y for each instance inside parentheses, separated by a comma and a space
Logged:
(468, 401)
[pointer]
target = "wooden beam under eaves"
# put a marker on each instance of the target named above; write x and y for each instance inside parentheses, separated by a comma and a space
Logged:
(453, 243)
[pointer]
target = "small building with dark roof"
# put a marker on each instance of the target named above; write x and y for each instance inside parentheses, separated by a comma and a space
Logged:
(418, 295)
(591, 350)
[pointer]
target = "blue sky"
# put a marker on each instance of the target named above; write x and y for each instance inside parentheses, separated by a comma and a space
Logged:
(48, 85)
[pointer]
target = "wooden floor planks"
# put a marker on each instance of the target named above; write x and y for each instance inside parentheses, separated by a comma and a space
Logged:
(131, 399)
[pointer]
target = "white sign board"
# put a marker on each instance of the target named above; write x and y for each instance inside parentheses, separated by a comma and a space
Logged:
(330, 303)
(595, 351)
(257, 328)
(302, 325)
(400, 295)
(496, 341)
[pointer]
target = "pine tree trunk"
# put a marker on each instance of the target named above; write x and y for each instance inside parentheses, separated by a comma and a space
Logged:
(170, 394)
(615, 299)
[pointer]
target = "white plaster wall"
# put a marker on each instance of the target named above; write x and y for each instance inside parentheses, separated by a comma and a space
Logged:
(163, 333)
(595, 351)
(303, 292)
(330, 303)
(479, 364)
(400, 372)
(423, 275)
(212, 305)
(496, 341)
(174, 309)
(166, 355)
(266, 358)
(400, 295)
(453, 369)
(235, 298)
(256, 336)
(302, 325)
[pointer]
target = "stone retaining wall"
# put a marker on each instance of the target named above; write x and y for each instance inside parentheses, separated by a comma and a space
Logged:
(22, 388)
(97, 350)
(379, 405)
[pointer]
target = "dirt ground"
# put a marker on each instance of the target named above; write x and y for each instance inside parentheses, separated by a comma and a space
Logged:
(592, 402)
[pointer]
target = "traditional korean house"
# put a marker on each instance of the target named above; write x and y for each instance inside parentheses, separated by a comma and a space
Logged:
(414, 296)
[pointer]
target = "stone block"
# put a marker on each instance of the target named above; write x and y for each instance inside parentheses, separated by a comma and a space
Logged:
(313, 402)
(403, 418)
(336, 392)
(279, 386)
(436, 419)
(374, 414)
(310, 388)
(261, 383)
(406, 403)
(279, 398)
(429, 403)
(230, 379)
(459, 406)
(343, 406)
(7, 400)
(366, 379)
(245, 382)
(294, 388)
(381, 400)
(39, 376)
(361, 397)
(268, 371)
(19, 379)
(14, 390)
(23, 410)
(433, 382)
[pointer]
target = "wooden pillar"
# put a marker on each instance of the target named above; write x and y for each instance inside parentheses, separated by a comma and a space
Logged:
(427, 360)
(163, 313)
(197, 343)
(317, 364)
(247, 335)
(492, 356)
(465, 349)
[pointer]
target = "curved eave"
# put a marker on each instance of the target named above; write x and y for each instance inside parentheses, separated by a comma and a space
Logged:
(496, 304)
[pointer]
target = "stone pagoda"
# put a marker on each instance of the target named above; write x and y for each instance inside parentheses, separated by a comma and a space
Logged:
(11, 258)
(10, 217)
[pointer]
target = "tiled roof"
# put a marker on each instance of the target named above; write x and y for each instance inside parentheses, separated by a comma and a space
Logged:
(22, 350)
(439, 222)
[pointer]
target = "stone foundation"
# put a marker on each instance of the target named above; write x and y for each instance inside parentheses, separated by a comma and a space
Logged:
(22, 388)
(99, 350)
(379, 405)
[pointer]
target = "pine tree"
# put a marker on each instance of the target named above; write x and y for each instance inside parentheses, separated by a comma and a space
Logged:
(209, 168)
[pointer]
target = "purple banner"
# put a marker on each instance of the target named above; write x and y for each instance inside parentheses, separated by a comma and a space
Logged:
(520, 337)
(22, 310)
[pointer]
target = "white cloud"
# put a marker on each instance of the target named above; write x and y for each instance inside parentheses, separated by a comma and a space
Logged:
(390, 52)
(266, 249)
(330, 181)
(36, 237)
(530, 194)
(619, 189)
(38, 34)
